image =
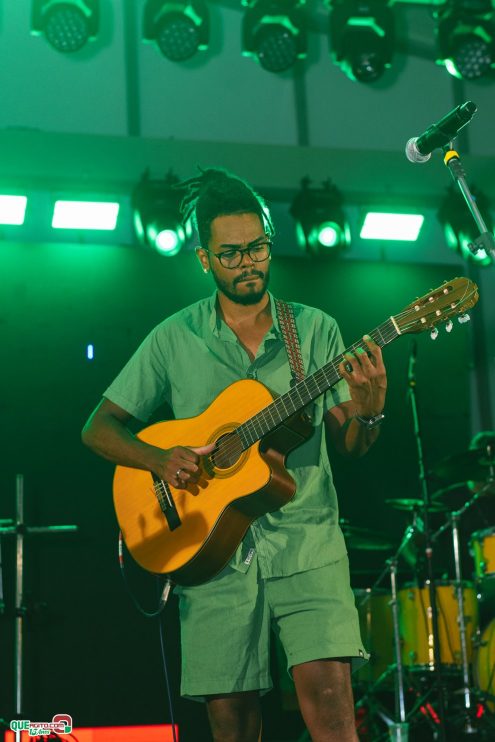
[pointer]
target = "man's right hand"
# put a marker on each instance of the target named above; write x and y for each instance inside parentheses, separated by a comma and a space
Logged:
(180, 465)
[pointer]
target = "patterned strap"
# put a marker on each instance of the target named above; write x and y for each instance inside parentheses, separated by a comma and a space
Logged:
(287, 322)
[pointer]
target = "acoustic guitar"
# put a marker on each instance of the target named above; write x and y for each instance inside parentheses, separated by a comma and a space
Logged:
(190, 533)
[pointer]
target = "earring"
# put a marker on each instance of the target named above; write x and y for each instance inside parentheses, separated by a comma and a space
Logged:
(205, 270)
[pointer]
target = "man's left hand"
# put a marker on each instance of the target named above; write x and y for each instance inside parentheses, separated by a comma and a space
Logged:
(367, 378)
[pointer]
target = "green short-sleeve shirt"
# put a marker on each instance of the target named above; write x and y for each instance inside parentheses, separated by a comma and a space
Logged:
(188, 359)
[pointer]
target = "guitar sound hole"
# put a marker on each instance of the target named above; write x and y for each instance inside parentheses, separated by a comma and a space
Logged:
(228, 450)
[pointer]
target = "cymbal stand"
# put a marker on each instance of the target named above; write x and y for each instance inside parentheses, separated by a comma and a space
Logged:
(20, 530)
(453, 523)
(428, 546)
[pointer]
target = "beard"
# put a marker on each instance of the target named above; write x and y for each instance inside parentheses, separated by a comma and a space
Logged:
(252, 296)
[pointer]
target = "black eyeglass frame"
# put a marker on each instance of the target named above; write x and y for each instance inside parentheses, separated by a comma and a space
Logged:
(240, 252)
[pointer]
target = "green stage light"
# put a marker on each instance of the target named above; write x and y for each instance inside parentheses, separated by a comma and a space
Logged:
(466, 38)
(85, 215)
(321, 225)
(459, 227)
(381, 225)
(66, 24)
(12, 209)
(362, 37)
(274, 33)
(179, 28)
(157, 217)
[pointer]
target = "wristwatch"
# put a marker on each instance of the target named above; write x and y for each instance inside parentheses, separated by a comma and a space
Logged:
(370, 422)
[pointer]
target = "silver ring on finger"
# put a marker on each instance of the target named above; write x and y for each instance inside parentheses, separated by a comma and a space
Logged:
(177, 474)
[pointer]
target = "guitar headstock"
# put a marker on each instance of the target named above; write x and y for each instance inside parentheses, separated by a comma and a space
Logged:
(450, 299)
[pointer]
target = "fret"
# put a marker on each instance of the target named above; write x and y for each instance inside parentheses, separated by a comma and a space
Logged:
(306, 390)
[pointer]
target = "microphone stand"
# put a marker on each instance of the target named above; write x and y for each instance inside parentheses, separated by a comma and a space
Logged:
(411, 380)
(486, 240)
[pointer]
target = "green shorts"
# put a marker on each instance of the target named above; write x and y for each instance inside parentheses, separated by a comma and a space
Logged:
(225, 626)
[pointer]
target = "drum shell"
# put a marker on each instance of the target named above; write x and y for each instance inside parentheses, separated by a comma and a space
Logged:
(484, 665)
(482, 546)
(375, 623)
(416, 624)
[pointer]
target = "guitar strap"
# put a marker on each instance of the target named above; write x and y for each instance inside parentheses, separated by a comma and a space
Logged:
(287, 322)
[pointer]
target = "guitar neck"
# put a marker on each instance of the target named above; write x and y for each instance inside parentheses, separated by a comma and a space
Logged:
(305, 391)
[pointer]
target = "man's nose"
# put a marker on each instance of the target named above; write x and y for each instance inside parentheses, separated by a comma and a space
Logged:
(246, 258)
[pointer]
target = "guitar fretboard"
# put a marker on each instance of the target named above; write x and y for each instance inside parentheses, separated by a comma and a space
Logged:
(306, 391)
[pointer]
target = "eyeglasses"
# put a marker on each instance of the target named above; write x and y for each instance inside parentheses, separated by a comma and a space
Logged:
(233, 258)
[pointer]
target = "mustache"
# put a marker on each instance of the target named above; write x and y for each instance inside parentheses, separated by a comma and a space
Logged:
(253, 274)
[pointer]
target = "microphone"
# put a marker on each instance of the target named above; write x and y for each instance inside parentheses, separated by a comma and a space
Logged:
(419, 149)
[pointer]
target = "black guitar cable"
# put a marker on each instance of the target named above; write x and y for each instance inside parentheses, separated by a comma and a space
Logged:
(165, 593)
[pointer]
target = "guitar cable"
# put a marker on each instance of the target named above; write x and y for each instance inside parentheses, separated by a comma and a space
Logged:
(165, 593)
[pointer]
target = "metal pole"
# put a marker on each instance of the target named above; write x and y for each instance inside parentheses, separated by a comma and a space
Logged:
(19, 598)
(469, 728)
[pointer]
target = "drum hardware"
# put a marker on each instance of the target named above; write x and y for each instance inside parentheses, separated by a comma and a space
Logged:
(20, 531)
(414, 504)
(474, 465)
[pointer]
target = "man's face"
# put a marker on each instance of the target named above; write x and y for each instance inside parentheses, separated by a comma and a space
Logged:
(246, 283)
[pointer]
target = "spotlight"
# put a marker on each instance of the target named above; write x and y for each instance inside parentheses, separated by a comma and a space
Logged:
(458, 224)
(178, 28)
(66, 24)
(157, 218)
(321, 225)
(466, 38)
(362, 36)
(274, 32)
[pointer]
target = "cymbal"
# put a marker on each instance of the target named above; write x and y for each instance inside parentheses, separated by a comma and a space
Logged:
(364, 538)
(471, 465)
(415, 504)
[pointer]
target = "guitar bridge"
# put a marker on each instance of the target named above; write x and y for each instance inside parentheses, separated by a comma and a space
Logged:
(166, 502)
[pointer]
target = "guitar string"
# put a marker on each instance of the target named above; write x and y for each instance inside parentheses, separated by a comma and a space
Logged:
(232, 446)
(235, 444)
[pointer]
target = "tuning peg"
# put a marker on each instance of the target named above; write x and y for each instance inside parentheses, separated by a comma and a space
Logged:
(449, 326)
(434, 333)
(463, 318)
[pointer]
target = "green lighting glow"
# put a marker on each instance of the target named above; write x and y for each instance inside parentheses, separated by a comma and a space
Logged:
(12, 209)
(329, 234)
(85, 215)
(387, 226)
(167, 241)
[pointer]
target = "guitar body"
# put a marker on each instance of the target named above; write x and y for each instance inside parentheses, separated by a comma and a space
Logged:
(214, 513)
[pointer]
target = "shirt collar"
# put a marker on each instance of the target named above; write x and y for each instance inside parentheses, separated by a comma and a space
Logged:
(215, 319)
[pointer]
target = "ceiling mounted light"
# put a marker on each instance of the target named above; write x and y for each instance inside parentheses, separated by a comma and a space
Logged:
(321, 224)
(466, 38)
(400, 227)
(274, 33)
(179, 29)
(157, 217)
(459, 227)
(362, 37)
(66, 24)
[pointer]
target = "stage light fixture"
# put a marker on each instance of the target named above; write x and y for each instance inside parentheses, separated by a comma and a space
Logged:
(466, 38)
(12, 209)
(321, 224)
(66, 24)
(274, 33)
(85, 215)
(459, 227)
(362, 37)
(179, 29)
(157, 218)
(381, 225)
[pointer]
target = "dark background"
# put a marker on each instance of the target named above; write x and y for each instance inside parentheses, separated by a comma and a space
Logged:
(87, 650)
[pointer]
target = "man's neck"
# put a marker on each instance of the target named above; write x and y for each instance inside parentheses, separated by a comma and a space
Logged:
(236, 314)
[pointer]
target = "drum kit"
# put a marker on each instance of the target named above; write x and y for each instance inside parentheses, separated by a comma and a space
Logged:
(427, 681)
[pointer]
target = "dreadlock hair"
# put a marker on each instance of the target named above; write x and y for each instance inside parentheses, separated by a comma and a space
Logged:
(215, 193)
